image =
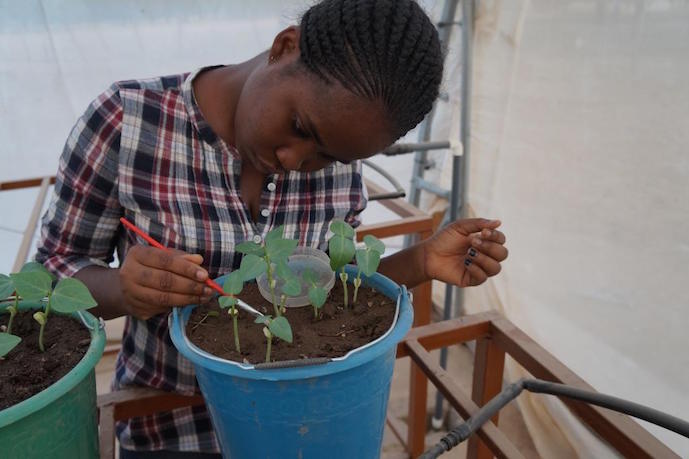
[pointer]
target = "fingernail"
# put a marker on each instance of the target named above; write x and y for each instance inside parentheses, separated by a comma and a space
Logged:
(486, 233)
(472, 252)
(201, 275)
(476, 241)
(467, 262)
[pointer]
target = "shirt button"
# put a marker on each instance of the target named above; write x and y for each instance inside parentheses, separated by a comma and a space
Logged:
(265, 212)
(257, 238)
(271, 186)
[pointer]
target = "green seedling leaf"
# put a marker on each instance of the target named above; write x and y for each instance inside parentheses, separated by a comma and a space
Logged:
(226, 302)
(234, 282)
(7, 343)
(6, 286)
(367, 261)
(71, 295)
(317, 296)
(292, 287)
(341, 251)
(275, 234)
(281, 328)
(265, 320)
(283, 271)
(32, 285)
(280, 249)
(375, 244)
(252, 266)
(34, 266)
(250, 247)
(309, 276)
(341, 228)
(39, 316)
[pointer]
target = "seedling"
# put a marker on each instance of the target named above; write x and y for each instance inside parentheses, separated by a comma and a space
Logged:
(273, 252)
(367, 260)
(341, 249)
(291, 286)
(233, 286)
(6, 289)
(317, 294)
(34, 283)
(278, 327)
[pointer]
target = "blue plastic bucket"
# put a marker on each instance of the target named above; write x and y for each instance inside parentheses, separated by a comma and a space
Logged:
(335, 409)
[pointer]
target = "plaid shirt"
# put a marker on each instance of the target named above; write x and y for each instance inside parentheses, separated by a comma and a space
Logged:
(144, 151)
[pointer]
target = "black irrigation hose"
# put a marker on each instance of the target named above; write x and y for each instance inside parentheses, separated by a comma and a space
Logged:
(463, 431)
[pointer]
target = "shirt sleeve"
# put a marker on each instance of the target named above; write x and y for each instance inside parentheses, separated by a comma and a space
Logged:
(80, 227)
(358, 195)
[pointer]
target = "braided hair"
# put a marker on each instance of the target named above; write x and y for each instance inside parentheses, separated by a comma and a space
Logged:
(379, 49)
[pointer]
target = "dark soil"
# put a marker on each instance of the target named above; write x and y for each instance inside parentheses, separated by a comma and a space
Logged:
(336, 332)
(25, 370)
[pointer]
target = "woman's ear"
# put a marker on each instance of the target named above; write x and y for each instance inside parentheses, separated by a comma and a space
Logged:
(286, 43)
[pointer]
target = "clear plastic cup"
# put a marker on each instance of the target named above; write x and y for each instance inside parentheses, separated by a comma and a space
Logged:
(299, 261)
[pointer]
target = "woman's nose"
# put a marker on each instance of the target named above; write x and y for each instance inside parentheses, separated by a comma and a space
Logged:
(292, 157)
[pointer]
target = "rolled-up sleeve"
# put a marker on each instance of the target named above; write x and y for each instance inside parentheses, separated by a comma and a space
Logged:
(80, 227)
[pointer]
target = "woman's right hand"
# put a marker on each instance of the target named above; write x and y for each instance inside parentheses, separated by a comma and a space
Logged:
(153, 281)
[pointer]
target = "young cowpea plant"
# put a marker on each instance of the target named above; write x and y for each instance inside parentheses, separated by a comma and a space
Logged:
(341, 250)
(6, 289)
(367, 260)
(34, 283)
(233, 286)
(317, 294)
(278, 327)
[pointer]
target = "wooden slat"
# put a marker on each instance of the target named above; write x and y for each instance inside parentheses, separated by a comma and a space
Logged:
(489, 433)
(621, 431)
(489, 365)
(406, 225)
(399, 206)
(398, 428)
(106, 432)
(136, 402)
(27, 183)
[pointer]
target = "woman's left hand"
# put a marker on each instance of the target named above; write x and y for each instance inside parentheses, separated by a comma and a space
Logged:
(465, 252)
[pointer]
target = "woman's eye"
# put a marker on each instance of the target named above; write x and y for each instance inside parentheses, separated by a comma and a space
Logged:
(298, 129)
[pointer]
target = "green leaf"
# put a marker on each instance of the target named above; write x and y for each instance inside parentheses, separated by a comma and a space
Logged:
(367, 261)
(234, 282)
(262, 320)
(252, 266)
(292, 287)
(280, 249)
(281, 328)
(7, 343)
(32, 285)
(283, 271)
(275, 234)
(71, 295)
(341, 251)
(317, 296)
(34, 266)
(309, 276)
(226, 301)
(375, 244)
(250, 247)
(341, 228)
(6, 286)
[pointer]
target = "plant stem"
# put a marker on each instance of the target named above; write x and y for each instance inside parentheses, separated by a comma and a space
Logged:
(269, 275)
(270, 341)
(13, 312)
(343, 278)
(357, 283)
(45, 322)
(236, 331)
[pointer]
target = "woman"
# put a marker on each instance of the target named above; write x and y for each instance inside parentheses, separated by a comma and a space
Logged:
(207, 160)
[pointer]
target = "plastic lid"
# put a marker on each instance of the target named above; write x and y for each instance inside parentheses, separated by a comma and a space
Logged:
(299, 261)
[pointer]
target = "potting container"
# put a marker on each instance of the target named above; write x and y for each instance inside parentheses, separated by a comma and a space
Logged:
(333, 409)
(61, 421)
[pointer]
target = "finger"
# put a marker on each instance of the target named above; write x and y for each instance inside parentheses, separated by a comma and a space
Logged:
(492, 235)
(171, 260)
(167, 281)
(487, 264)
(476, 275)
(467, 226)
(493, 250)
(161, 301)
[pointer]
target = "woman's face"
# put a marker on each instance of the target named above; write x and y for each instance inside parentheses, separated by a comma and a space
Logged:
(288, 119)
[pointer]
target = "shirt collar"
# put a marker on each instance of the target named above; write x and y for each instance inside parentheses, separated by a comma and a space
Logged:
(197, 119)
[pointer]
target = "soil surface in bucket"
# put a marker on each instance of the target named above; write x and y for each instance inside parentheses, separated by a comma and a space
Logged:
(25, 370)
(337, 331)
